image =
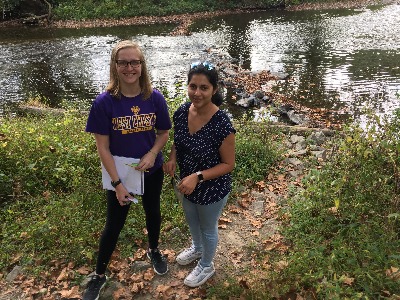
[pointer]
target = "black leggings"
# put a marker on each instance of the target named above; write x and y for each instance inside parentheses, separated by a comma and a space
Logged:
(116, 216)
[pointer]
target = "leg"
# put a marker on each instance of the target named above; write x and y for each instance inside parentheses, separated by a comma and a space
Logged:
(208, 216)
(116, 216)
(151, 205)
(192, 218)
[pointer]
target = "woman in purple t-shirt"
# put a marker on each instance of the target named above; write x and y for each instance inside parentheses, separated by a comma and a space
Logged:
(129, 119)
(204, 149)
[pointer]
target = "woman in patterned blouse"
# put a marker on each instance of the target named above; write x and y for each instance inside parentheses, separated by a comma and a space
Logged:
(204, 150)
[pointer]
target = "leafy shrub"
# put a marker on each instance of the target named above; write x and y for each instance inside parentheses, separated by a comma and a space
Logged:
(51, 153)
(345, 229)
(257, 149)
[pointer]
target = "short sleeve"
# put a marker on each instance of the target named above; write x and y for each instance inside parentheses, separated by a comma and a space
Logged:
(98, 119)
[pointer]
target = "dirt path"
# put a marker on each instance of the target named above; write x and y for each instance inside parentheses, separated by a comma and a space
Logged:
(248, 226)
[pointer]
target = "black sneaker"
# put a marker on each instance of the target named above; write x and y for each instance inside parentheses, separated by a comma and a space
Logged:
(94, 287)
(159, 261)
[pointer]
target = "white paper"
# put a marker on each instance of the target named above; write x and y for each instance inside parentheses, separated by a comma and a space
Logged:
(132, 179)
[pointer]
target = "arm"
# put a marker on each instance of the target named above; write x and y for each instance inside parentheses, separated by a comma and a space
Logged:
(103, 149)
(227, 164)
(147, 161)
(170, 166)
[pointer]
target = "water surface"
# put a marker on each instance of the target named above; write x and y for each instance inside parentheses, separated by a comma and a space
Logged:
(337, 59)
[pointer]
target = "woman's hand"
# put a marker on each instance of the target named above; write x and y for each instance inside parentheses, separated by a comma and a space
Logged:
(169, 167)
(188, 184)
(146, 162)
(122, 195)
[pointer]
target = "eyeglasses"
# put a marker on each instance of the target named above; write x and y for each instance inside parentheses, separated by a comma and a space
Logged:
(124, 64)
(205, 64)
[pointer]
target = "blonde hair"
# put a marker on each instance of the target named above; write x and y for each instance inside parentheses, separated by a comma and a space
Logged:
(144, 80)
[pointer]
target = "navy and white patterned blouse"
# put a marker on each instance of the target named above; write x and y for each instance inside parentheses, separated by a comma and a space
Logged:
(200, 151)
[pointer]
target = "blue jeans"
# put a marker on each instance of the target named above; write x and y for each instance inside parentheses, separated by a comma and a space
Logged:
(203, 226)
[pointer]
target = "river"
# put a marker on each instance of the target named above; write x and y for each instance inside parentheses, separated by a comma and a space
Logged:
(342, 60)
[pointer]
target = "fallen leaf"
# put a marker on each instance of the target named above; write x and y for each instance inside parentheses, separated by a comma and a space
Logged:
(148, 274)
(72, 293)
(63, 275)
(84, 270)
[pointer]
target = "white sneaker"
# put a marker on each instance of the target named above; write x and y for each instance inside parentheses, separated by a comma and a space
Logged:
(199, 275)
(187, 256)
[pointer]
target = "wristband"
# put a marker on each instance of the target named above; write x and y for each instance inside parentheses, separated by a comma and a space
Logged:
(115, 183)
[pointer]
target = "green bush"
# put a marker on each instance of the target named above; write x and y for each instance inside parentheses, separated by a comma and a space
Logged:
(40, 154)
(78, 10)
(345, 228)
(257, 149)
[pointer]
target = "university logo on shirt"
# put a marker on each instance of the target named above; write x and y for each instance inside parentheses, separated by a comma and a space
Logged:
(135, 123)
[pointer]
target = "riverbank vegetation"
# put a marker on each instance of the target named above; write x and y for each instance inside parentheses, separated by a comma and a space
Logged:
(341, 230)
(79, 10)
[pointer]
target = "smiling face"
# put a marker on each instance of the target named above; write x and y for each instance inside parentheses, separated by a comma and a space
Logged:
(129, 75)
(200, 90)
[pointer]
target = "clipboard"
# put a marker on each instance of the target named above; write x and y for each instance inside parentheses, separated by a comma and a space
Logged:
(132, 179)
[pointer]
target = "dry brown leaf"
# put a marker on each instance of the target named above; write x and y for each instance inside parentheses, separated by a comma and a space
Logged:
(256, 223)
(333, 210)
(225, 220)
(233, 209)
(139, 254)
(148, 274)
(163, 289)
(23, 235)
(269, 245)
(136, 277)
(261, 184)
(281, 264)
(136, 287)
(181, 274)
(243, 203)
(122, 294)
(72, 293)
(169, 253)
(394, 273)
(176, 283)
(84, 270)
(244, 194)
(348, 281)
(63, 275)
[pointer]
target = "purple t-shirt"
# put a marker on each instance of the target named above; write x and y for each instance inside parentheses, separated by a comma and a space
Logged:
(130, 123)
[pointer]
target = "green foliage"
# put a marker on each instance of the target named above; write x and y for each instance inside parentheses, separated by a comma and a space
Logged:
(9, 4)
(50, 187)
(345, 228)
(256, 151)
(40, 154)
(78, 10)
(52, 202)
